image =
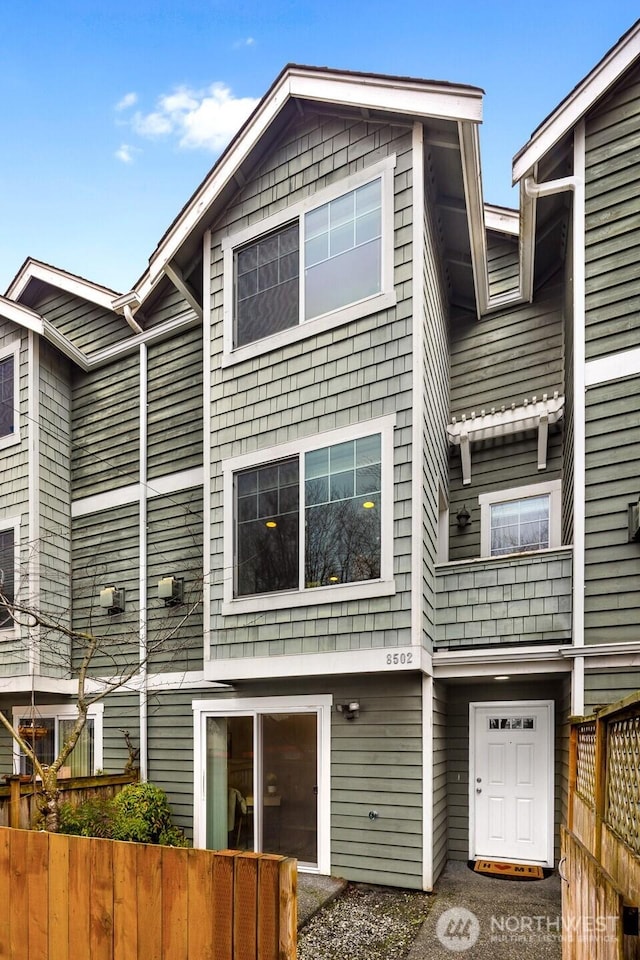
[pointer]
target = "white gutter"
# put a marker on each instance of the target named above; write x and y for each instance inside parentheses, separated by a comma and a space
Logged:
(128, 315)
(142, 533)
(576, 184)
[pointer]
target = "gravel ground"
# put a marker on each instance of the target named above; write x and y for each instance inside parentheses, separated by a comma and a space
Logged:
(365, 923)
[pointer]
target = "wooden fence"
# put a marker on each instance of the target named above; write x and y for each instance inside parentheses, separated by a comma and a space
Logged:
(76, 898)
(18, 799)
(601, 846)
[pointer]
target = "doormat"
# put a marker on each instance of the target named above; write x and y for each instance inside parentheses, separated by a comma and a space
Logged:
(510, 871)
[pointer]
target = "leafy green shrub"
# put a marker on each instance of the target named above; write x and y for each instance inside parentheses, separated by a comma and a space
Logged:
(140, 812)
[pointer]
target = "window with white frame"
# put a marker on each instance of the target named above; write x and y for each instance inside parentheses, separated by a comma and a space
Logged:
(520, 520)
(46, 729)
(323, 261)
(9, 433)
(313, 518)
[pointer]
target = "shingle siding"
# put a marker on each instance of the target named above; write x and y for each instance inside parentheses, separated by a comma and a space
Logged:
(350, 374)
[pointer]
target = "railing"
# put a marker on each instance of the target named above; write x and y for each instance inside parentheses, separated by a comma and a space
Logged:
(18, 800)
(66, 898)
(602, 842)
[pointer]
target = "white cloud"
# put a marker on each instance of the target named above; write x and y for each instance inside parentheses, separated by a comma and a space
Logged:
(127, 101)
(125, 153)
(244, 42)
(199, 118)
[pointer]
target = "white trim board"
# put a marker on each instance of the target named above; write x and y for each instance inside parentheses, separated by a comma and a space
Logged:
(158, 487)
(614, 367)
(331, 663)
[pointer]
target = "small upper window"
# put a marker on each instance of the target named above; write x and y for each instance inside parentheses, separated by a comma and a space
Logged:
(520, 525)
(520, 520)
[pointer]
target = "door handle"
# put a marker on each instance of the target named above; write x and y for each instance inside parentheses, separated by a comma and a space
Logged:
(478, 789)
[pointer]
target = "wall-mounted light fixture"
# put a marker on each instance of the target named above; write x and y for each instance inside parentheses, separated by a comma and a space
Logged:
(463, 517)
(170, 589)
(112, 599)
(349, 710)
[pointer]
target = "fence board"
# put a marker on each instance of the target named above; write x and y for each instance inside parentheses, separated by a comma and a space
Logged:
(125, 908)
(223, 873)
(79, 895)
(591, 907)
(38, 883)
(149, 887)
(175, 905)
(58, 897)
(5, 894)
(268, 903)
(101, 899)
(19, 931)
(245, 906)
(201, 896)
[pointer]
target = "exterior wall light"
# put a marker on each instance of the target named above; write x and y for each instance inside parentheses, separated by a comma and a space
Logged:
(112, 599)
(463, 517)
(349, 710)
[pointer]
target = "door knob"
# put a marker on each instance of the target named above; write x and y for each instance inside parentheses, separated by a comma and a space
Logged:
(478, 789)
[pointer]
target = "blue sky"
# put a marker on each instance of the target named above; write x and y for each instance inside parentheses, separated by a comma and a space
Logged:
(113, 112)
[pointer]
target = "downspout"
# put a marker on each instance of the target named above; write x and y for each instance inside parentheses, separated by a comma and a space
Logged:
(131, 320)
(142, 590)
(576, 184)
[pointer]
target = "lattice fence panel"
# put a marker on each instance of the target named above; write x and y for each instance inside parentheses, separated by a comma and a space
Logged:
(586, 762)
(623, 788)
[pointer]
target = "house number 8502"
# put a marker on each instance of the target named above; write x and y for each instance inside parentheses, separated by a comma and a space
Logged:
(394, 659)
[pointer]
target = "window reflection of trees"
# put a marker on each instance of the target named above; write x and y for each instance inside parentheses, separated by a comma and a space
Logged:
(342, 538)
(268, 556)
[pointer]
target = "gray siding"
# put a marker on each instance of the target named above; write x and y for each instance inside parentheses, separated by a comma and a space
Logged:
(440, 751)
(346, 375)
(503, 263)
(121, 712)
(174, 548)
(613, 223)
(524, 599)
(54, 559)
(174, 410)
(607, 686)
(499, 360)
(168, 303)
(376, 763)
(89, 327)
(106, 430)
(435, 406)
(612, 564)
(105, 554)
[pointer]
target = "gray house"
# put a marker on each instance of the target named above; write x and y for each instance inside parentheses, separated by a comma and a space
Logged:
(351, 473)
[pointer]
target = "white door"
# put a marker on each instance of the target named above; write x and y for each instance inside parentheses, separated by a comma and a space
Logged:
(511, 788)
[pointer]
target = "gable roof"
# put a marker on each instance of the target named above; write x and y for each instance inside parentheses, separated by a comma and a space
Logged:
(400, 96)
(577, 103)
(53, 276)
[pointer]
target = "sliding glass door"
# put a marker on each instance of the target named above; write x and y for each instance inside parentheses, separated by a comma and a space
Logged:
(261, 781)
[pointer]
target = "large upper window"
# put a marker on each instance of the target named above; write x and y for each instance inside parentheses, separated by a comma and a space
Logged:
(320, 262)
(341, 537)
(520, 520)
(313, 518)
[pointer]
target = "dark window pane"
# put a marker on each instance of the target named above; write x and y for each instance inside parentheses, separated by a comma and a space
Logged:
(6, 396)
(368, 480)
(6, 574)
(317, 490)
(342, 543)
(269, 303)
(342, 485)
(267, 533)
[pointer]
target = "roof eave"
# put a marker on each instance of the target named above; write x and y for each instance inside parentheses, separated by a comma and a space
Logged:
(368, 92)
(578, 102)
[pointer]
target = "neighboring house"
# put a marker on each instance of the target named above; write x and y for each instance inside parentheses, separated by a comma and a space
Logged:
(391, 434)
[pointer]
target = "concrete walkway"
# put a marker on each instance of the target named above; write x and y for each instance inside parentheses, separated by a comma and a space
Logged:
(315, 891)
(480, 918)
